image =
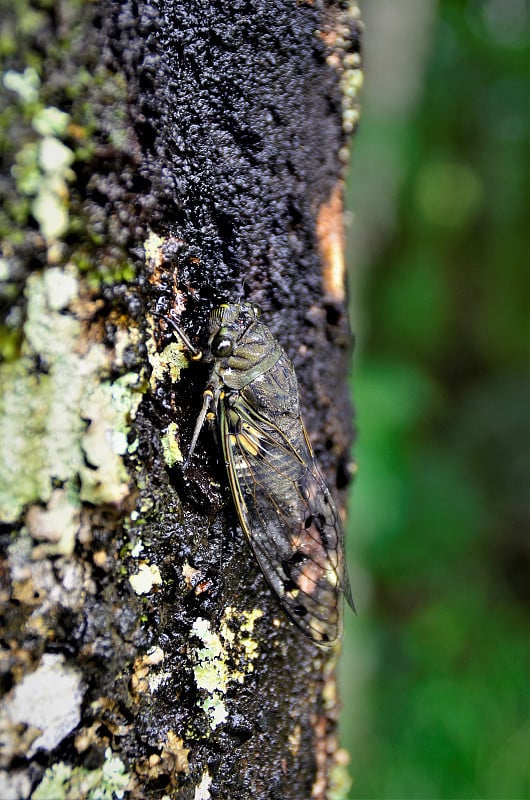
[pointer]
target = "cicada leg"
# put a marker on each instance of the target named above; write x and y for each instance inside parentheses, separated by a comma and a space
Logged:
(210, 399)
(195, 354)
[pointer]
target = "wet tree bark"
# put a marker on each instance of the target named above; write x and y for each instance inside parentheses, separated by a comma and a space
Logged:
(161, 157)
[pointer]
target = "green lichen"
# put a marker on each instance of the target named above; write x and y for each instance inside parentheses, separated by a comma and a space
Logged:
(224, 658)
(170, 445)
(170, 362)
(349, 68)
(24, 477)
(64, 782)
(211, 672)
(64, 424)
(106, 271)
(50, 121)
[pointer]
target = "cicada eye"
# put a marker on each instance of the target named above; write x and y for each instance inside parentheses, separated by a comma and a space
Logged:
(222, 346)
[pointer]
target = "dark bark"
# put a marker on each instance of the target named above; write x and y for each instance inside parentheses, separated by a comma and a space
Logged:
(206, 146)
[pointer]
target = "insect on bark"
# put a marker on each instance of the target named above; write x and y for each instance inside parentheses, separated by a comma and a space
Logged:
(284, 506)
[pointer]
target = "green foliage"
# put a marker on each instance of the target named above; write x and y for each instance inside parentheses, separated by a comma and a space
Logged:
(435, 666)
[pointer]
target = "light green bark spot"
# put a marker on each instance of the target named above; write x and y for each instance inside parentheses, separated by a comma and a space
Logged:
(26, 84)
(50, 121)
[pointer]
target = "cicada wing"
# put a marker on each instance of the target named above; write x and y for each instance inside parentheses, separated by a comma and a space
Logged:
(288, 515)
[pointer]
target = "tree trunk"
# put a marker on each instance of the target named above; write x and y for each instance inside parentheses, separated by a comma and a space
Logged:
(161, 157)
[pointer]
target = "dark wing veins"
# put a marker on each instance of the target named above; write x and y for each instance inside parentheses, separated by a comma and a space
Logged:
(287, 514)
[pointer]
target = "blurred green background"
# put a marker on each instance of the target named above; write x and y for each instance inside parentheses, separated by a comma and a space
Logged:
(434, 671)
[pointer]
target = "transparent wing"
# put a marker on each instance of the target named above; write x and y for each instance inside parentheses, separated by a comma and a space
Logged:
(288, 515)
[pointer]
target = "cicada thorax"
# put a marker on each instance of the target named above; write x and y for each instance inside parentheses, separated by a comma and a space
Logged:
(281, 498)
(243, 348)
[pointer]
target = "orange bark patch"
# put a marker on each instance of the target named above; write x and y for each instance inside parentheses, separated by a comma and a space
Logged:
(330, 233)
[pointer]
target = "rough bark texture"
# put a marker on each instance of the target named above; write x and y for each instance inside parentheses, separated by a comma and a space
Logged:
(198, 158)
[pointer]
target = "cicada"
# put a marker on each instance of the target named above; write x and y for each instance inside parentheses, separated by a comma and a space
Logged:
(284, 506)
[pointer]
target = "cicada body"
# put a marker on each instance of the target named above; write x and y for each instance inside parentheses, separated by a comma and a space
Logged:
(284, 506)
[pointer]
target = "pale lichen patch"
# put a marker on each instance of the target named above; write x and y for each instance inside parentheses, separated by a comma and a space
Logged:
(79, 422)
(43, 172)
(55, 525)
(170, 761)
(24, 469)
(202, 791)
(153, 249)
(139, 546)
(61, 288)
(142, 680)
(145, 579)
(110, 408)
(47, 700)
(294, 739)
(25, 84)
(190, 574)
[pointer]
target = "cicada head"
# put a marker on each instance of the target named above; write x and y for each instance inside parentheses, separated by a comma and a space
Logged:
(227, 322)
(242, 347)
